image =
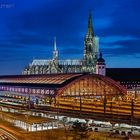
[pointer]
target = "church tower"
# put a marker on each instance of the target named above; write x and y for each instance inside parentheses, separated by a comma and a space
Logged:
(90, 49)
(101, 66)
(53, 66)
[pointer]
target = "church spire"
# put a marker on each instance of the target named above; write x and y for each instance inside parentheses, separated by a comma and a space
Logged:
(90, 48)
(55, 52)
(100, 59)
(55, 44)
(90, 27)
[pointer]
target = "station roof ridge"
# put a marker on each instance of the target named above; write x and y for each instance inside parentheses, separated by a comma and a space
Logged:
(53, 81)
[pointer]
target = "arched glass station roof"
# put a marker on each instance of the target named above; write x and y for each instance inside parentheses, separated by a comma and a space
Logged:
(88, 84)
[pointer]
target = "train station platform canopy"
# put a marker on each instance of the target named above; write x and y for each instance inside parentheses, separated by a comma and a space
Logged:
(66, 84)
(27, 118)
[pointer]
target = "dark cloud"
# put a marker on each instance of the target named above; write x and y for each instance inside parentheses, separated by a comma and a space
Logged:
(28, 29)
(125, 47)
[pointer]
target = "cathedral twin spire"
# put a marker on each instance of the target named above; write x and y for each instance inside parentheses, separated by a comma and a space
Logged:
(90, 34)
(90, 27)
(90, 48)
(88, 62)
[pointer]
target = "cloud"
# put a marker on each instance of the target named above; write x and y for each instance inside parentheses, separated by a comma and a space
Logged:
(112, 39)
(120, 45)
(28, 30)
(123, 62)
(108, 46)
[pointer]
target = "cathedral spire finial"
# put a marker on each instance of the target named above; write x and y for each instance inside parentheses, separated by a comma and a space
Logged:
(55, 44)
(55, 51)
(90, 27)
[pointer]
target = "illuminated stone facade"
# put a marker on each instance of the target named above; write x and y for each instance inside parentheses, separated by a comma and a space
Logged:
(86, 64)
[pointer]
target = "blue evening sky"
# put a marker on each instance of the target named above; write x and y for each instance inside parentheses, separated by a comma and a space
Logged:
(28, 27)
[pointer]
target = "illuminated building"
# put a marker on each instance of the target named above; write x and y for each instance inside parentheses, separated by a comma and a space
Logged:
(51, 89)
(90, 64)
(127, 77)
(101, 66)
(87, 64)
(91, 96)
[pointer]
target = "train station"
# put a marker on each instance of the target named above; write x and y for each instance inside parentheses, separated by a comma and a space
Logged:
(52, 88)
(54, 94)
(90, 95)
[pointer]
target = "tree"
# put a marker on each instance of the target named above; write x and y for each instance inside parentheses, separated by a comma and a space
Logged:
(80, 129)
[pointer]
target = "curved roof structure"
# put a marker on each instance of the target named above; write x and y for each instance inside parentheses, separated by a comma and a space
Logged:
(86, 83)
(38, 79)
(93, 85)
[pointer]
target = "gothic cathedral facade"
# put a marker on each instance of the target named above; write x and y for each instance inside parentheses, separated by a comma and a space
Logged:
(89, 62)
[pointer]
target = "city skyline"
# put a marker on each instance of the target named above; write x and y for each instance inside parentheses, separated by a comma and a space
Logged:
(28, 29)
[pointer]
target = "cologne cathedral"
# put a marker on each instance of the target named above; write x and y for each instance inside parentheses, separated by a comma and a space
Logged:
(89, 63)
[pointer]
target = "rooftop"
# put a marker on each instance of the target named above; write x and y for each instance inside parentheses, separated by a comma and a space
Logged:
(123, 74)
